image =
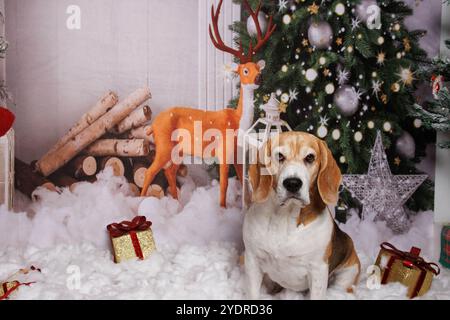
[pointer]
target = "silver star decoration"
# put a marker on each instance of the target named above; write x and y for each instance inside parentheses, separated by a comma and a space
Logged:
(381, 193)
(324, 121)
(355, 23)
(293, 95)
(282, 5)
(358, 93)
(376, 87)
(343, 76)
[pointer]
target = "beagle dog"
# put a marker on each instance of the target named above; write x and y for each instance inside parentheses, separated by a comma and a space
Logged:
(291, 240)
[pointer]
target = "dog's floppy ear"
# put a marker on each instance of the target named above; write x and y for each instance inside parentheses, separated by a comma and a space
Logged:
(329, 178)
(260, 178)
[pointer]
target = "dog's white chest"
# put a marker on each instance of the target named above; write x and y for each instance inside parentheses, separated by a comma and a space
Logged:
(284, 251)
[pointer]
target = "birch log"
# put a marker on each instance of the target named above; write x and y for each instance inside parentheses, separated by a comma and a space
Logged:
(102, 106)
(115, 163)
(136, 119)
(82, 166)
(27, 181)
(141, 133)
(58, 158)
(118, 148)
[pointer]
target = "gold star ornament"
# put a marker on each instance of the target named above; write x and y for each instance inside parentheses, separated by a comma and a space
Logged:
(313, 9)
(381, 57)
(305, 42)
(283, 107)
(406, 76)
(397, 161)
(339, 41)
(407, 44)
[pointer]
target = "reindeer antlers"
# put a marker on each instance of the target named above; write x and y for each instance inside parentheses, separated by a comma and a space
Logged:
(261, 39)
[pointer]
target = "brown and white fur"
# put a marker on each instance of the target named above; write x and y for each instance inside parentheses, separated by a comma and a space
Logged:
(291, 239)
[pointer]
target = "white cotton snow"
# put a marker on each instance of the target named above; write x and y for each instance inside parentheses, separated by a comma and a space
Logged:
(199, 245)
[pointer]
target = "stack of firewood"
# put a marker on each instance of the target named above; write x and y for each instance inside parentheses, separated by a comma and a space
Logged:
(111, 134)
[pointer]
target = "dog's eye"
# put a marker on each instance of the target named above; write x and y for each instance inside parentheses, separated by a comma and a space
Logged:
(281, 157)
(310, 158)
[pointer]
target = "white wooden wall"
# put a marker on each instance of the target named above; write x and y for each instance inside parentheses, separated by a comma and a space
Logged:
(215, 90)
(56, 74)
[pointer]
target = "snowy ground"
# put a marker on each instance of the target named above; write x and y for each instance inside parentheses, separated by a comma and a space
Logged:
(199, 245)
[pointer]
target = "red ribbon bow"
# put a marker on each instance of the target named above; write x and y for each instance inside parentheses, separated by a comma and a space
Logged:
(6, 121)
(139, 223)
(7, 292)
(411, 258)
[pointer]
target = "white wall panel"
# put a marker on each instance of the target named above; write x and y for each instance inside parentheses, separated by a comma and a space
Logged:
(56, 74)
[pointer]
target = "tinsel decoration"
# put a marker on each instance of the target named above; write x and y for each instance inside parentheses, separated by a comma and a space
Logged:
(381, 193)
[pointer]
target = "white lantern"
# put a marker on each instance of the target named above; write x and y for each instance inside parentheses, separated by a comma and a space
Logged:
(253, 141)
(7, 169)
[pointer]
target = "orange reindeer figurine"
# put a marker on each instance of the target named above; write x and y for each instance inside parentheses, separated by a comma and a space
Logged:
(178, 119)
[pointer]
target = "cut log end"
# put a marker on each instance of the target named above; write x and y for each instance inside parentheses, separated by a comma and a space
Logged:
(116, 164)
(90, 166)
(139, 176)
(156, 191)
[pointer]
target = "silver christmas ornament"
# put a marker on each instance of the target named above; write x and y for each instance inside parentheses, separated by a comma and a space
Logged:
(320, 34)
(381, 193)
(406, 146)
(346, 100)
(362, 9)
(251, 27)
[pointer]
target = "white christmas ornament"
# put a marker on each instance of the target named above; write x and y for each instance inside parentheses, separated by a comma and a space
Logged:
(287, 19)
(251, 27)
(285, 98)
(322, 132)
(346, 100)
(311, 75)
(339, 9)
(320, 34)
(329, 88)
(417, 123)
(358, 136)
(406, 146)
(381, 193)
(336, 134)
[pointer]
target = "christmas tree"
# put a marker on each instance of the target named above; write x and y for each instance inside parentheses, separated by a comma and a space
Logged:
(343, 70)
(435, 114)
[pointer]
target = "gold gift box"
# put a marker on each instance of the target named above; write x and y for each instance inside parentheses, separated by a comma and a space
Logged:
(404, 270)
(5, 287)
(124, 249)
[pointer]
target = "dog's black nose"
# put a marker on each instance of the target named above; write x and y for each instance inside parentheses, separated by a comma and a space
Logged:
(292, 184)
